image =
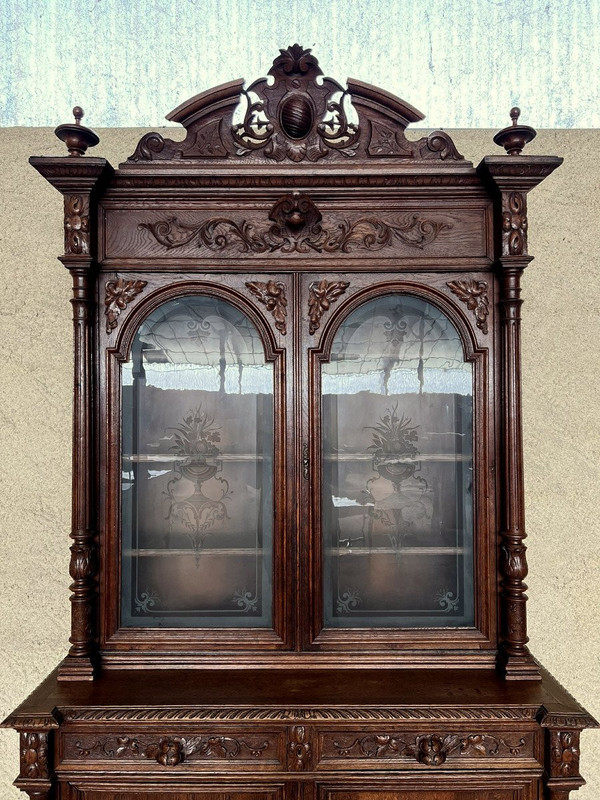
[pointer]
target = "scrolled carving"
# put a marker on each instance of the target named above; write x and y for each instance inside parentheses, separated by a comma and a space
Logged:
(34, 755)
(272, 295)
(125, 745)
(295, 117)
(437, 145)
(564, 754)
(118, 294)
(321, 294)
(386, 141)
(430, 749)
(474, 294)
(77, 224)
(295, 232)
(299, 749)
(514, 224)
(148, 145)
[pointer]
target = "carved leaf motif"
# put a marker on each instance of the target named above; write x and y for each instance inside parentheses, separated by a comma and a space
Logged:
(321, 295)
(34, 755)
(77, 224)
(474, 294)
(565, 753)
(514, 224)
(272, 295)
(119, 294)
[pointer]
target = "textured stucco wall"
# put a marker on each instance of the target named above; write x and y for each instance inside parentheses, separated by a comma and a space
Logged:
(463, 62)
(561, 391)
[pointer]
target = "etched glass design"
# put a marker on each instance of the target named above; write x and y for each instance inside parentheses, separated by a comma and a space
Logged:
(397, 463)
(197, 450)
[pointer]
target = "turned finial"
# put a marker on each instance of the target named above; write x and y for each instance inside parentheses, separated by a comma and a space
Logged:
(76, 136)
(514, 138)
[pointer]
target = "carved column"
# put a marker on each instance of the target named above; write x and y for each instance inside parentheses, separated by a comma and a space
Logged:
(77, 179)
(511, 177)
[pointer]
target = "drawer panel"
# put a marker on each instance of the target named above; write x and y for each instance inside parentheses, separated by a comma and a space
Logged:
(355, 748)
(231, 750)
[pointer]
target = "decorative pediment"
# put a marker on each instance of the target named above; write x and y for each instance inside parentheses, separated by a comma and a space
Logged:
(297, 115)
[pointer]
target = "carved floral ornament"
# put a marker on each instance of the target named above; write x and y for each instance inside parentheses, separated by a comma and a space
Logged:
(298, 116)
(118, 294)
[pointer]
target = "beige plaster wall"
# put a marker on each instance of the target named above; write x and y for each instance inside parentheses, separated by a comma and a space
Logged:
(561, 402)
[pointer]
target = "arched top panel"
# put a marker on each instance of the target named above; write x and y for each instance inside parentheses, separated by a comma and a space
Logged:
(158, 304)
(361, 304)
(296, 115)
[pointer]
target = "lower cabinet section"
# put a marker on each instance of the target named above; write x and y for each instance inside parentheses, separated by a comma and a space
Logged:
(467, 787)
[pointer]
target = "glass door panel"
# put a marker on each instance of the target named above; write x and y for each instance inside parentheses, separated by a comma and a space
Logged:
(197, 470)
(397, 465)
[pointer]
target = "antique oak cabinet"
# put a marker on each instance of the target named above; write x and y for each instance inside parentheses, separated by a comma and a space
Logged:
(298, 538)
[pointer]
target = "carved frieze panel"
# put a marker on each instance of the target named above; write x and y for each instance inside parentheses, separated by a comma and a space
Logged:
(294, 226)
(172, 749)
(429, 749)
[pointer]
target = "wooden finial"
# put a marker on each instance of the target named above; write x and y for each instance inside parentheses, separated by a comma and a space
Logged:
(76, 136)
(514, 138)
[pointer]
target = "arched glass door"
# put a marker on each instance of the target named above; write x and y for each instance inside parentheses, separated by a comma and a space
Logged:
(397, 466)
(197, 470)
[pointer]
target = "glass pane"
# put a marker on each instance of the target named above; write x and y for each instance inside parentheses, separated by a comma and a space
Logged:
(397, 404)
(197, 473)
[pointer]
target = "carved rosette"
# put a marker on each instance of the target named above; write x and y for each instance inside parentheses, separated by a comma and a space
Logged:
(34, 755)
(77, 224)
(321, 294)
(514, 223)
(299, 749)
(118, 294)
(564, 754)
(272, 295)
(474, 294)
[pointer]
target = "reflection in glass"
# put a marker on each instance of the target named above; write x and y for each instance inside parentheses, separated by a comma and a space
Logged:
(397, 404)
(197, 447)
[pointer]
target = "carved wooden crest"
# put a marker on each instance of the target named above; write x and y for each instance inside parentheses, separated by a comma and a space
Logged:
(298, 116)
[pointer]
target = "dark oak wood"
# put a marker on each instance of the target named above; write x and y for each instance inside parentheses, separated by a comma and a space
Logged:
(296, 202)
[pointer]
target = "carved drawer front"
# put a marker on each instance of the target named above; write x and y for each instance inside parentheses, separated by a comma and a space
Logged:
(377, 748)
(239, 750)
(427, 794)
(230, 793)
